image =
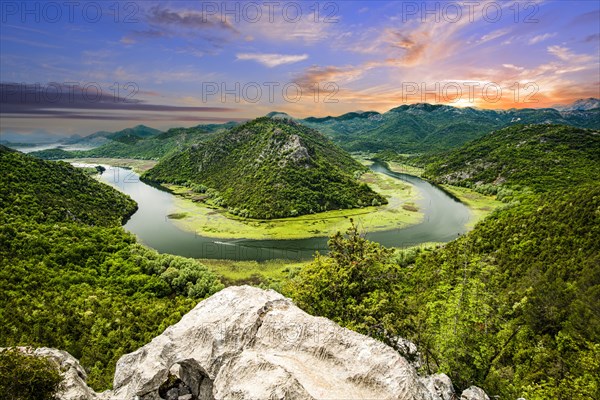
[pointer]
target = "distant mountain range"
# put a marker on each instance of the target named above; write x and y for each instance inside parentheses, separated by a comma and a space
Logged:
(140, 142)
(580, 105)
(128, 135)
(37, 137)
(92, 140)
(415, 128)
(422, 128)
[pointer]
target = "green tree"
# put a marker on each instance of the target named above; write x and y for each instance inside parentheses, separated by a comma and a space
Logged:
(26, 377)
(354, 286)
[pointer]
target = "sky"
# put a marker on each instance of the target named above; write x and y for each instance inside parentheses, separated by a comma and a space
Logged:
(76, 67)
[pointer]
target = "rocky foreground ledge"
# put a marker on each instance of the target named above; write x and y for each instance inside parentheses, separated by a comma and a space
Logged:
(248, 343)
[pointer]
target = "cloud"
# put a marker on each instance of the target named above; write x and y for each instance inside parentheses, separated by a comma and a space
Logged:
(493, 35)
(338, 75)
(592, 38)
(168, 23)
(309, 29)
(508, 41)
(20, 100)
(413, 44)
(566, 54)
(588, 17)
(511, 66)
(188, 19)
(541, 38)
(272, 60)
(128, 117)
(188, 23)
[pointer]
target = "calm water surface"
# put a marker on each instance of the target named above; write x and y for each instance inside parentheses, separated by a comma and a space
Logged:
(445, 218)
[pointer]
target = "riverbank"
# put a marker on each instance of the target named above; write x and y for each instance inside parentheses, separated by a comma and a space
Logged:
(480, 205)
(275, 273)
(270, 273)
(179, 223)
(401, 211)
(401, 168)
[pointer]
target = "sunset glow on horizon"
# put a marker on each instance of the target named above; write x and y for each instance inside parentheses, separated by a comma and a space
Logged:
(76, 68)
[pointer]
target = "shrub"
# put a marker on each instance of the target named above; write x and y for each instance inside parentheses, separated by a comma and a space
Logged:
(26, 377)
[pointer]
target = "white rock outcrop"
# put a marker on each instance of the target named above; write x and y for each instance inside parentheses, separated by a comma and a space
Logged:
(248, 343)
(74, 386)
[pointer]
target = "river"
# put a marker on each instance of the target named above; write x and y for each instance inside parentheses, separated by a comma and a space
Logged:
(445, 218)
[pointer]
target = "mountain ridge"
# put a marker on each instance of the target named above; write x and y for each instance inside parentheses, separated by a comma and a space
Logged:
(580, 105)
(153, 146)
(424, 127)
(414, 128)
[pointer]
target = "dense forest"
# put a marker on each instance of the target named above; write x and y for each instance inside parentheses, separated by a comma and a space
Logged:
(296, 168)
(72, 278)
(537, 157)
(42, 192)
(512, 306)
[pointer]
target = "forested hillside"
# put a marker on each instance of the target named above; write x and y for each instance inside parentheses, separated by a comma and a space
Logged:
(539, 157)
(45, 192)
(269, 168)
(132, 135)
(145, 144)
(416, 128)
(72, 278)
(512, 306)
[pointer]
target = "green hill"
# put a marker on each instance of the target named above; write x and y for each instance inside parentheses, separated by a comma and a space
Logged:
(132, 135)
(540, 157)
(72, 278)
(151, 148)
(270, 168)
(511, 306)
(57, 192)
(148, 144)
(127, 135)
